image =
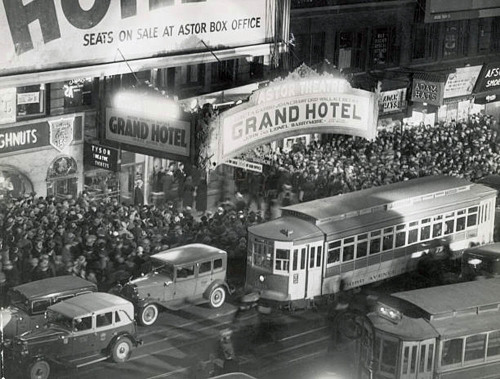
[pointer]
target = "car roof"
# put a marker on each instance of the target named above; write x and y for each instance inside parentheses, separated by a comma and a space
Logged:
(491, 250)
(188, 253)
(49, 286)
(87, 304)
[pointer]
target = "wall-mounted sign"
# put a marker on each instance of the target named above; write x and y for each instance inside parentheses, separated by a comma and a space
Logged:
(7, 105)
(297, 106)
(425, 91)
(97, 155)
(461, 82)
(78, 33)
(489, 78)
(167, 135)
(39, 134)
(28, 98)
(392, 101)
(246, 165)
(380, 44)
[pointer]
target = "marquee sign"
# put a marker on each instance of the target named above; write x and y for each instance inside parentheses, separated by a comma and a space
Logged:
(489, 79)
(87, 32)
(165, 136)
(319, 104)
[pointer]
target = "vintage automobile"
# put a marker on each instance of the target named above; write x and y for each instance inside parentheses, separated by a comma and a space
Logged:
(80, 331)
(190, 274)
(28, 302)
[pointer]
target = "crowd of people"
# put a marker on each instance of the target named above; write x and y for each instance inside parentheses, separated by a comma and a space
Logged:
(106, 241)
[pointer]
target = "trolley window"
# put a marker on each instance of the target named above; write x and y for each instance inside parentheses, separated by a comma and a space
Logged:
(449, 223)
(472, 216)
(400, 235)
(362, 246)
(452, 352)
(425, 230)
(388, 350)
(475, 347)
(333, 252)
(437, 227)
(413, 232)
(282, 260)
(388, 239)
(348, 253)
(460, 220)
(295, 259)
(375, 242)
(494, 344)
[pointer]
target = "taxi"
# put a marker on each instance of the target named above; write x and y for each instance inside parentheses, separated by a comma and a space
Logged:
(29, 301)
(189, 274)
(80, 331)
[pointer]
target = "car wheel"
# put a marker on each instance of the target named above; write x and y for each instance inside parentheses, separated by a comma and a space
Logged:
(217, 297)
(148, 315)
(39, 370)
(121, 350)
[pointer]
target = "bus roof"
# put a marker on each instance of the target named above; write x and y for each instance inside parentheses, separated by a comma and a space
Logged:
(188, 253)
(448, 300)
(56, 285)
(87, 304)
(382, 198)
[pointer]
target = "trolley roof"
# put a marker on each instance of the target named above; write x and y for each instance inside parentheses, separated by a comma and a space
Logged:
(50, 286)
(87, 304)
(452, 298)
(380, 198)
(286, 228)
(188, 254)
(491, 250)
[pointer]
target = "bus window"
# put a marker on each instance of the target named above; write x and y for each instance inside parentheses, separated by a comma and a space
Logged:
(333, 252)
(400, 235)
(413, 232)
(295, 259)
(475, 347)
(388, 239)
(452, 352)
(425, 230)
(437, 227)
(282, 260)
(472, 216)
(460, 220)
(375, 242)
(494, 344)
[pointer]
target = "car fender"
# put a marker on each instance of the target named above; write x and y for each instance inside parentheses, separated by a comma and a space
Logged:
(135, 341)
(214, 284)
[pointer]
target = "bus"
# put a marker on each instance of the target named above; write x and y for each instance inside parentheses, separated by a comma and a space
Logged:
(354, 239)
(450, 331)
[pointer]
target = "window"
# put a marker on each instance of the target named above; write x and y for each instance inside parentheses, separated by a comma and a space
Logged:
(40, 306)
(362, 246)
(217, 264)
(303, 259)
(348, 251)
(472, 216)
(205, 267)
(192, 74)
(494, 344)
(309, 48)
(475, 347)
(389, 356)
(437, 227)
(388, 239)
(424, 40)
(262, 254)
(295, 259)
(84, 323)
(333, 252)
(449, 223)
(318, 256)
(452, 352)
(78, 92)
(31, 101)
(413, 232)
(460, 220)
(455, 39)
(375, 242)
(104, 319)
(117, 317)
(224, 71)
(350, 52)
(383, 49)
(282, 260)
(425, 229)
(185, 272)
(400, 235)
(312, 256)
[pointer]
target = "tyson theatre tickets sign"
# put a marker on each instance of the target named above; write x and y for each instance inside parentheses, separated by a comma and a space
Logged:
(52, 34)
(320, 104)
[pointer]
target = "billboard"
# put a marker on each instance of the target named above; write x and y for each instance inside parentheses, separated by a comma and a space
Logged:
(446, 10)
(297, 106)
(489, 79)
(51, 34)
(461, 82)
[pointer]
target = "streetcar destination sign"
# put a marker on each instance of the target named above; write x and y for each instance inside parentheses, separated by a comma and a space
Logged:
(320, 104)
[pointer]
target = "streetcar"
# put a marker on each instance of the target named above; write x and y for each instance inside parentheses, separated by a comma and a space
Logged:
(354, 239)
(441, 332)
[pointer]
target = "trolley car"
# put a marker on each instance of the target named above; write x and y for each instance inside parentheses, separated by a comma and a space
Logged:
(450, 331)
(365, 236)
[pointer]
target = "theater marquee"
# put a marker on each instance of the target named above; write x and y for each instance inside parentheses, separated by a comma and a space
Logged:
(320, 104)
